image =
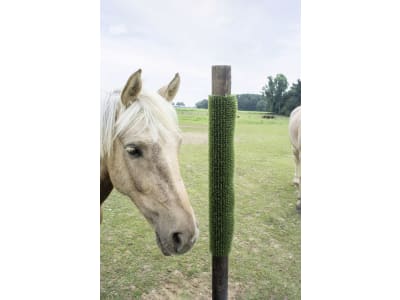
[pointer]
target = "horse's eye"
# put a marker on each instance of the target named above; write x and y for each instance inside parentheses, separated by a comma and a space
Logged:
(133, 151)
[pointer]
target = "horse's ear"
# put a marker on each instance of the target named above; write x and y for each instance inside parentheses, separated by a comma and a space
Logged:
(132, 88)
(169, 91)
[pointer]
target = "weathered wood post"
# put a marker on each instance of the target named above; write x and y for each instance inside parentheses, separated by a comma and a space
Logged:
(222, 115)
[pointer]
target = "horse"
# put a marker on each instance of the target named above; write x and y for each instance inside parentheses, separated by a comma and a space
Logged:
(139, 146)
(295, 139)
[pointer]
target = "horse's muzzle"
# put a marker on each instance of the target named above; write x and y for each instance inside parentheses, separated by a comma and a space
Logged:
(177, 242)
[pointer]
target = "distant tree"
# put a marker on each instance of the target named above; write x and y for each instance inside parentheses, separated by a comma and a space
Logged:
(202, 104)
(180, 104)
(262, 105)
(248, 101)
(274, 93)
(292, 98)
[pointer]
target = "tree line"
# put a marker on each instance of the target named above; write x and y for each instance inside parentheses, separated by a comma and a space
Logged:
(275, 97)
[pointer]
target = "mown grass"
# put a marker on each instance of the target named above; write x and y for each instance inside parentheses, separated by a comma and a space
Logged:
(265, 256)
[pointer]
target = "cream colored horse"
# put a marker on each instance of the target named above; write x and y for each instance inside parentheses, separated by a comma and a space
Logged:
(295, 139)
(140, 141)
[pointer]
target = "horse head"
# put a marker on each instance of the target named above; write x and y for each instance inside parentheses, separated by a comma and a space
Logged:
(142, 163)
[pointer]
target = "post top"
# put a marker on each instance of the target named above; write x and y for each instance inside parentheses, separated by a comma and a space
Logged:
(221, 80)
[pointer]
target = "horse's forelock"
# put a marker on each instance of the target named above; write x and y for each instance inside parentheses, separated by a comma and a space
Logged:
(150, 111)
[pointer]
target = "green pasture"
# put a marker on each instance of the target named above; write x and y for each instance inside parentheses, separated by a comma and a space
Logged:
(265, 255)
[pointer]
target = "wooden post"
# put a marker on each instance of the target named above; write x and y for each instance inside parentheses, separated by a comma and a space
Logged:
(221, 86)
(221, 80)
(220, 277)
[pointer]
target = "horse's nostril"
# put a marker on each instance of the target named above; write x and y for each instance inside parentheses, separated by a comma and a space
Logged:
(177, 239)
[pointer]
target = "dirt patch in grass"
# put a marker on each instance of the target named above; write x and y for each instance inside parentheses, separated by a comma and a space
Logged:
(198, 288)
(195, 138)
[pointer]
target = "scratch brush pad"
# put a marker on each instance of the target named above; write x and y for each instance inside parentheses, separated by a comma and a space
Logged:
(222, 116)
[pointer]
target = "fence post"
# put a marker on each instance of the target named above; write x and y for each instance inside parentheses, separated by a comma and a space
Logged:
(222, 115)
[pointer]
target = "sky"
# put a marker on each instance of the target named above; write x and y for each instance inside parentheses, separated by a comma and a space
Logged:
(257, 38)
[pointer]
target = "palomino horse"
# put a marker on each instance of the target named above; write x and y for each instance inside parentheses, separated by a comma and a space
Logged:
(295, 139)
(140, 141)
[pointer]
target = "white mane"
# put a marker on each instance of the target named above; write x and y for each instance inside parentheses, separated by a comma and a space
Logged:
(150, 114)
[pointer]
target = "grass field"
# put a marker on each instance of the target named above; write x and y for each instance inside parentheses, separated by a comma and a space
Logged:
(265, 256)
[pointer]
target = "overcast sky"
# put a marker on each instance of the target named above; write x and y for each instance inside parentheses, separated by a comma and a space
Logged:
(257, 38)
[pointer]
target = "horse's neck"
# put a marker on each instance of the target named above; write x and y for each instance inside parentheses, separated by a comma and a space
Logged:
(106, 185)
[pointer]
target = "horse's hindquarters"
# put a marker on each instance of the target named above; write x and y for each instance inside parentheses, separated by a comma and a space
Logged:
(295, 139)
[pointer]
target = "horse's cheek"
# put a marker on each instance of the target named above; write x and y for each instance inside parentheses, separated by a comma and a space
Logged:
(133, 175)
(119, 173)
(142, 179)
